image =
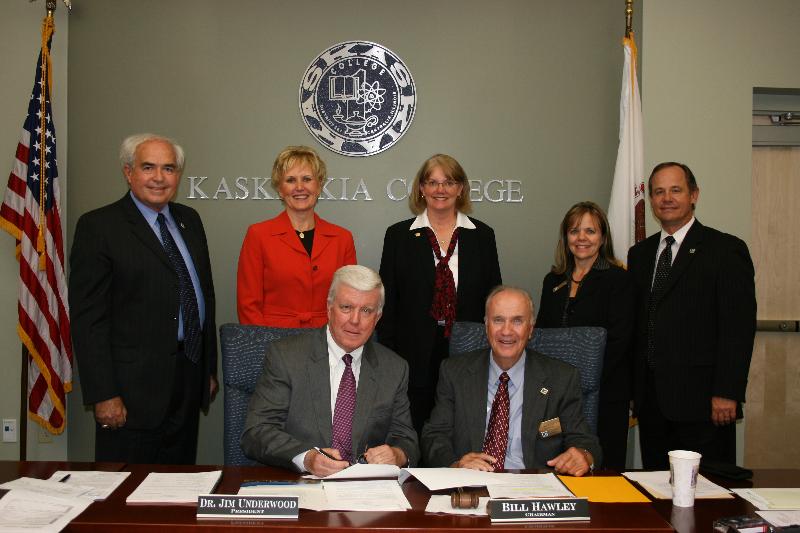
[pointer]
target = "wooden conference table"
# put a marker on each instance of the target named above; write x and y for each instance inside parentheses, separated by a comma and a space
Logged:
(114, 515)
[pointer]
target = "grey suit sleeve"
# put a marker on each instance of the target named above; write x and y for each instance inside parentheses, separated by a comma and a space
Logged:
(264, 438)
(574, 426)
(439, 431)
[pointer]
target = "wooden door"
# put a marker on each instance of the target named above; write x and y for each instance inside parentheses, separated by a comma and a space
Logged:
(772, 410)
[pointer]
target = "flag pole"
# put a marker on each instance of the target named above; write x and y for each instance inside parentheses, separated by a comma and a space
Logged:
(628, 18)
(48, 27)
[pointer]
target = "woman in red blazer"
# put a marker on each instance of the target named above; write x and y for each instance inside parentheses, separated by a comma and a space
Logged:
(287, 263)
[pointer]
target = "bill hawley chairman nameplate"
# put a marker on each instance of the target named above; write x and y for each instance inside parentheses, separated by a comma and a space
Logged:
(357, 98)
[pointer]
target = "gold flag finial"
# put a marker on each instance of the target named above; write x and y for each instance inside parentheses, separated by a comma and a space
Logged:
(628, 17)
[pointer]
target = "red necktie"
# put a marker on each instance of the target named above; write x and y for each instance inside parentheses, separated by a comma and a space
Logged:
(343, 411)
(497, 433)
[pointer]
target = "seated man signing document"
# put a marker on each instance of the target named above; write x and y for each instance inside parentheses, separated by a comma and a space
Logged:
(508, 408)
(328, 397)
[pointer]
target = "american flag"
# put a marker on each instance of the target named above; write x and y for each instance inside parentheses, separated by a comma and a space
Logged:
(30, 213)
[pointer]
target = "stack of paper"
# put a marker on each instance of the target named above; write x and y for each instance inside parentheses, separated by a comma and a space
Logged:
(657, 484)
(23, 510)
(362, 471)
(102, 484)
(174, 488)
(784, 499)
(500, 485)
(373, 495)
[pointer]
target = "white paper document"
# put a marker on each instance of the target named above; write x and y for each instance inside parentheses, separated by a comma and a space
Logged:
(447, 478)
(21, 510)
(376, 495)
(310, 495)
(766, 498)
(46, 486)
(780, 518)
(372, 495)
(102, 484)
(362, 471)
(441, 504)
(506, 485)
(657, 484)
(172, 488)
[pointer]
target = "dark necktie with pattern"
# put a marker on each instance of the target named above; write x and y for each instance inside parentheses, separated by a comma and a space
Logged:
(343, 411)
(186, 294)
(496, 440)
(659, 282)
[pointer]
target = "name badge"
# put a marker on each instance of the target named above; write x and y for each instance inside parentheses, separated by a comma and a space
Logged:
(550, 428)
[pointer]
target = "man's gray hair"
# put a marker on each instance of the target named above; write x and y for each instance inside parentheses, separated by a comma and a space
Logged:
(509, 288)
(357, 277)
(127, 150)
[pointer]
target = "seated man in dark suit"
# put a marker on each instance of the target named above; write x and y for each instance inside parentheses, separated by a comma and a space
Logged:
(508, 408)
(328, 397)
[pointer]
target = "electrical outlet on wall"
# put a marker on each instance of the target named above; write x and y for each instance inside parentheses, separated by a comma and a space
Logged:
(9, 430)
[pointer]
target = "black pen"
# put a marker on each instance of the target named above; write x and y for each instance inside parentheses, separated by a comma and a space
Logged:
(326, 454)
(64, 479)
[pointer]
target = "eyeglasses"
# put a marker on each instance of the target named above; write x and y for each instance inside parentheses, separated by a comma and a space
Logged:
(433, 185)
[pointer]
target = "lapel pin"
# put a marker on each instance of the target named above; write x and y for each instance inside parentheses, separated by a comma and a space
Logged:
(691, 250)
(182, 226)
(416, 234)
(544, 390)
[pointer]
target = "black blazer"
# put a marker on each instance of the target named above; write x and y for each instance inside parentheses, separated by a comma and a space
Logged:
(124, 309)
(704, 325)
(408, 272)
(605, 299)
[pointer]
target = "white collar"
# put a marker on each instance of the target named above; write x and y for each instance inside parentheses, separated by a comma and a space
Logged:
(680, 234)
(462, 221)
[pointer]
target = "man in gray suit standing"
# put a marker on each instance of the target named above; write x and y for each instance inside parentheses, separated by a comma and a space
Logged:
(332, 396)
(508, 408)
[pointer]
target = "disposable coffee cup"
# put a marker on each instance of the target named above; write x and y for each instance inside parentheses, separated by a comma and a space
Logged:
(683, 468)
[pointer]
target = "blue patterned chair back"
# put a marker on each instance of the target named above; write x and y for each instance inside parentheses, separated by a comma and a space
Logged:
(583, 348)
(243, 349)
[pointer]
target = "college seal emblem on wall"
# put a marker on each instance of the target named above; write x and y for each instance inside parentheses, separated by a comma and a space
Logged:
(357, 98)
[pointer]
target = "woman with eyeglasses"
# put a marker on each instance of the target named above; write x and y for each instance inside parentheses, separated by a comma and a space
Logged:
(437, 268)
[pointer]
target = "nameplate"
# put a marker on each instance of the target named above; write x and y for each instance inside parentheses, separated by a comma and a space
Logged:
(225, 506)
(539, 509)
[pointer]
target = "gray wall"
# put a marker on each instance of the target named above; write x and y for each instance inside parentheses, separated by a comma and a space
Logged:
(20, 40)
(514, 89)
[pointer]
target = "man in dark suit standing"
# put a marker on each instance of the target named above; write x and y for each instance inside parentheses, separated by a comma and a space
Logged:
(142, 312)
(696, 315)
(508, 408)
(332, 396)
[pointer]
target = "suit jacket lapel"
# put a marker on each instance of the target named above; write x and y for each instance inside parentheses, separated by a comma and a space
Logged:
(285, 232)
(319, 381)
(466, 249)
(142, 231)
(365, 397)
(686, 254)
(422, 256)
(323, 236)
(534, 406)
(475, 406)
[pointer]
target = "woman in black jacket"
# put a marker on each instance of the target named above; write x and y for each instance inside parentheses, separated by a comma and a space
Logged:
(587, 287)
(437, 268)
